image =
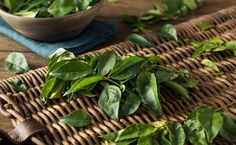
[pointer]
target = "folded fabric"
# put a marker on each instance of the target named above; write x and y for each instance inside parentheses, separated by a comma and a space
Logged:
(95, 34)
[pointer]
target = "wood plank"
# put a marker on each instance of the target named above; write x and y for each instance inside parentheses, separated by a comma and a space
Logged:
(111, 13)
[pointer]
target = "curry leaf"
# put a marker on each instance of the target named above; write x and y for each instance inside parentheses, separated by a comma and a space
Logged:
(11, 4)
(154, 59)
(131, 132)
(202, 48)
(177, 88)
(72, 71)
(62, 7)
(16, 63)
(18, 85)
(77, 119)
(176, 133)
(210, 64)
(228, 131)
(109, 101)
(145, 140)
(47, 88)
(80, 84)
(57, 91)
(211, 122)
(160, 139)
(140, 40)
(201, 109)
(168, 31)
(195, 133)
(205, 26)
(149, 91)
(106, 62)
(131, 105)
(165, 75)
(192, 5)
(127, 68)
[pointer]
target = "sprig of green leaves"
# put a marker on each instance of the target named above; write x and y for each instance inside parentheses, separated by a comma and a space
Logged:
(162, 10)
(200, 128)
(115, 79)
(212, 45)
(167, 31)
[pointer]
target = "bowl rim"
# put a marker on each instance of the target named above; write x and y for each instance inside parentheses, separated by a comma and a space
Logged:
(98, 4)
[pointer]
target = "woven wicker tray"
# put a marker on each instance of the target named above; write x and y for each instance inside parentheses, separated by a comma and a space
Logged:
(217, 90)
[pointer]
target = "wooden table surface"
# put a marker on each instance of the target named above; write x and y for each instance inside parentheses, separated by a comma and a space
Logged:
(111, 13)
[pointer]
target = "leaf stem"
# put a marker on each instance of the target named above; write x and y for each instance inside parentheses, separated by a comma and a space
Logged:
(110, 80)
(230, 104)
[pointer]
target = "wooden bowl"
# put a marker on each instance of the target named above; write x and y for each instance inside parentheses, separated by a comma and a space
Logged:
(52, 29)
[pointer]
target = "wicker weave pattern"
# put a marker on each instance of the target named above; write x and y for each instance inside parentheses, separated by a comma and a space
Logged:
(215, 90)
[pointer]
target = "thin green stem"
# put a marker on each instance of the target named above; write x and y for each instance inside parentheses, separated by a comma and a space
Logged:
(110, 80)
(230, 104)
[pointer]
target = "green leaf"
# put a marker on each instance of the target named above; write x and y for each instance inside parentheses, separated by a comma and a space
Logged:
(80, 84)
(202, 108)
(202, 48)
(140, 40)
(160, 139)
(154, 59)
(172, 6)
(166, 75)
(216, 41)
(56, 65)
(83, 4)
(228, 131)
(62, 7)
(231, 45)
(131, 132)
(191, 4)
(11, 4)
(127, 142)
(106, 62)
(60, 53)
(57, 90)
(211, 122)
(24, 13)
(145, 140)
(168, 31)
(177, 88)
(127, 68)
(191, 84)
(176, 133)
(131, 104)
(77, 118)
(72, 71)
(47, 88)
(195, 133)
(205, 26)
(18, 85)
(210, 64)
(109, 101)
(16, 63)
(94, 62)
(149, 91)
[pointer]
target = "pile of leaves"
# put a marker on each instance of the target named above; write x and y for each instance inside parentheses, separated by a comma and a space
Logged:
(162, 10)
(122, 83)
(46, 8)
(200, 128)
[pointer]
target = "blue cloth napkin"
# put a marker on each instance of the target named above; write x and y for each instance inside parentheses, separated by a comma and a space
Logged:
(95, 34)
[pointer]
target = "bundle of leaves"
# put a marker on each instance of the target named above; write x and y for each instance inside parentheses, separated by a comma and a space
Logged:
(46, 8)
(200, 128)
(121, 83)
(162, 10)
